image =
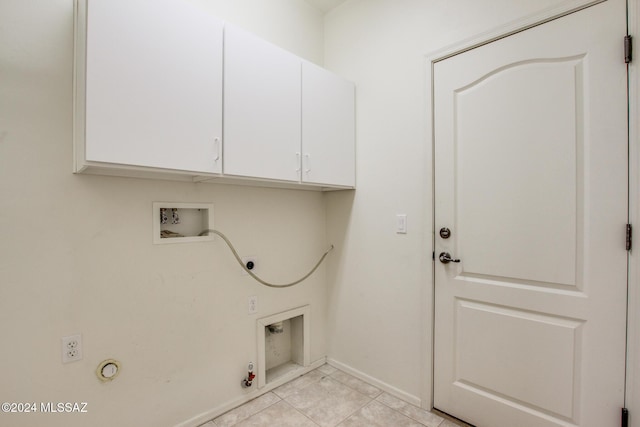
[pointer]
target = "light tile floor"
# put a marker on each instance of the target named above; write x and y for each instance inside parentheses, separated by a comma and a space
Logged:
(328, 397)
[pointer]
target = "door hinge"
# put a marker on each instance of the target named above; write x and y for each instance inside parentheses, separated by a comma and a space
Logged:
(629, 237)
(433, 256)
(625, 418)
(628, 49)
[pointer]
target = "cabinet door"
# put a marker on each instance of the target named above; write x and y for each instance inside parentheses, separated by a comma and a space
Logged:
(261, 108)
(153, 85)
(328, 128)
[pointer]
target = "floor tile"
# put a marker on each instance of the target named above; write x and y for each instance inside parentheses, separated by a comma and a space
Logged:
(421, 415)
(328, 397)
(376, 414)
(356, 384)
(327, 369)
(327, 402)
(245, 411)
(280, 414)
(299, 383)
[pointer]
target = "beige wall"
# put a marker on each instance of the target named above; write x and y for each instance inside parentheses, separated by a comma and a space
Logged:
(76, 252)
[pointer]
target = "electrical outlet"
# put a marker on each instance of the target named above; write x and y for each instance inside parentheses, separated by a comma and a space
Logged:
(71, 348)
(253, 304)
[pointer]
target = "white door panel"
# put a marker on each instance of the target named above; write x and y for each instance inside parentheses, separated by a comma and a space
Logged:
(509, 345)
(531, 178)
(540, 162)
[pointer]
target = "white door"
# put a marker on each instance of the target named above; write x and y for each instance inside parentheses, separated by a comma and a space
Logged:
(531, 181)
(154, 85)
(262, 98)
(328, 127)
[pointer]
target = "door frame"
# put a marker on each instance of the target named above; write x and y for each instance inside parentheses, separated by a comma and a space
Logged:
(632, 387)
(632, 391)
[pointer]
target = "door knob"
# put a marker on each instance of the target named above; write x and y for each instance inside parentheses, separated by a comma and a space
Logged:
(445, 233)
(445, 258)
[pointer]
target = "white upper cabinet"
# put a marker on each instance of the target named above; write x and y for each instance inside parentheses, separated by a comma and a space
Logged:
(328, 128)
(262, 97)
(152, 78)
(153, 86)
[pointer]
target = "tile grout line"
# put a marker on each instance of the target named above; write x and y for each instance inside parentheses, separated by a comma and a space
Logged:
(371, 399)
(330, 376)
(352, 413)
(409, 416)
(406, 415)
(251, 415)
(301, 413)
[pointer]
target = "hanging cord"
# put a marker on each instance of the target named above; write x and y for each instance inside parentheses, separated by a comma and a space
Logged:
(271, 285)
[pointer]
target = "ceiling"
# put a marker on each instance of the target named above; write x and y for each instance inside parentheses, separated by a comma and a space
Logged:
(325, 5)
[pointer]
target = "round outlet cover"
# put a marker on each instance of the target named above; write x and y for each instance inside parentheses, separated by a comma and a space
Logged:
(108, 370)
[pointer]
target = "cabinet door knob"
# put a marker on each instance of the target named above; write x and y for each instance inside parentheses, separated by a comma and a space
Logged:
(308, 168)
(216, 141)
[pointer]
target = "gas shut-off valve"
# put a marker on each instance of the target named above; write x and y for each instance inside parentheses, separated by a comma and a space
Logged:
(246, 382)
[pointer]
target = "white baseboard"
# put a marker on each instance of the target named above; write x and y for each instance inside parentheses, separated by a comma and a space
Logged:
(219, 410)
(409, 398)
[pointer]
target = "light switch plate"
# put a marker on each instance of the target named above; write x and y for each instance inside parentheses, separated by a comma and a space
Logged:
(401, 223)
